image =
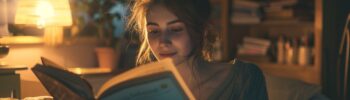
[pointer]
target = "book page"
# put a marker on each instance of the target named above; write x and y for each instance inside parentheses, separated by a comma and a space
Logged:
(165, 65)
(89, 71)
(155, 87)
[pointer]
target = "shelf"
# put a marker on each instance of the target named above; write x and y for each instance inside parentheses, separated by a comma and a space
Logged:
(10, 69)
(290, 66)
(279, 23)
(304, 73)
(233, 34)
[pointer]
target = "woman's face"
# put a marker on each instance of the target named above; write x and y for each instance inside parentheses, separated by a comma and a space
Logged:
(167, 35)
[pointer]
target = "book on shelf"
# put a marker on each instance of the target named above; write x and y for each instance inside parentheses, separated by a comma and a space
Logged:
(289, 9)
(279, 11)
(157, 81)
(281, 14)
(285, 22)
(245, 20)
(246, 12)
(246, 4)
(258, 41)
(251, 51)
(282, 3)
(254, 46)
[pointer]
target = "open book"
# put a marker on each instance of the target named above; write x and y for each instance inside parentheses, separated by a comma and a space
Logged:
(77, 70)
(154, 81)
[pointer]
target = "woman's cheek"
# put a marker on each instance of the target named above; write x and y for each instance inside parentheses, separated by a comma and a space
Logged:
(184, 45)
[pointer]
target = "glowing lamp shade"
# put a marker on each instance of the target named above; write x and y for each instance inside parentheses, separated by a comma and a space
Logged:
(52, 15)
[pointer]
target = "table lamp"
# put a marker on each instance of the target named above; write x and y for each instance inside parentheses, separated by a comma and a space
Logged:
(4, 49)
(52, 15)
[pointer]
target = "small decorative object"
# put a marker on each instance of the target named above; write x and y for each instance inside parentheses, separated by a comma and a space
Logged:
(280, 50)
(304, 56)
(4, 50)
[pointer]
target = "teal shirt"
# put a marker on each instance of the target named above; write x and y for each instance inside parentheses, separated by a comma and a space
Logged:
(245, 82)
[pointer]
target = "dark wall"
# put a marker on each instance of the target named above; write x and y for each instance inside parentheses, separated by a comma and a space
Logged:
(334, 17)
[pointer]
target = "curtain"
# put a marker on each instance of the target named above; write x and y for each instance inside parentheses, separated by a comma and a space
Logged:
(335, 13)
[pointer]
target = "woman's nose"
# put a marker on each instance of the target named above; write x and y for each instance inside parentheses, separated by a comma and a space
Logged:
(166, 37)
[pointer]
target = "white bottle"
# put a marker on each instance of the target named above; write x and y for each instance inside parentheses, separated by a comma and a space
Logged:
(289, 53)
(303, 56)
(304, 52)
(280, 51)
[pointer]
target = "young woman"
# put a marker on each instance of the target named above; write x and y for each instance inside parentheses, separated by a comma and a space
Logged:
(179, 29)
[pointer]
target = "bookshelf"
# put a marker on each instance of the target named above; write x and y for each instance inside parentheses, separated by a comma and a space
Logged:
(233, 33)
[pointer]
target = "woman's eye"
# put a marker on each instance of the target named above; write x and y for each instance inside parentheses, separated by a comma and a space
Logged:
(177, 29)
(153, 32)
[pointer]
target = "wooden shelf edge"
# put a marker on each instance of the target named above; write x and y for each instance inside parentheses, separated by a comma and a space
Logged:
(276, 23)
(307, 74)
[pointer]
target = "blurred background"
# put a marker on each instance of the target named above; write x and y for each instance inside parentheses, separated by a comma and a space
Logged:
(299, 44)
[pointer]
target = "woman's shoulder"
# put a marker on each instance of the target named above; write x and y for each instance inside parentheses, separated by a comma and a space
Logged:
(241, 70)
(238, 67)
(242, 76)
(242, 67)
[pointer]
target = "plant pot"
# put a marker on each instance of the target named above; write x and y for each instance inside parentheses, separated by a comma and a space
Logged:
(107, 57)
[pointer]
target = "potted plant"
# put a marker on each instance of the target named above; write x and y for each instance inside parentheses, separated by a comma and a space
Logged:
(104, 17)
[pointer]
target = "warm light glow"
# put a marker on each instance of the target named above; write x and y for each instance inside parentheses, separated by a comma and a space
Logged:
(76, 70)
(21, 40)
(44, 10)
(53, 36)
(81, 71)
(49, 14)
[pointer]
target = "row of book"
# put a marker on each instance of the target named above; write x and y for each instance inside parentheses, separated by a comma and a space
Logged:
(254, 49)
(246, 12)
(252, 12)
(282, 50)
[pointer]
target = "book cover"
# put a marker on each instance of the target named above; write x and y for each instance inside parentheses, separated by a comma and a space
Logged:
(154, 81)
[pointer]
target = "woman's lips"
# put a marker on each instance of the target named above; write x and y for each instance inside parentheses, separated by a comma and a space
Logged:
(167, 55)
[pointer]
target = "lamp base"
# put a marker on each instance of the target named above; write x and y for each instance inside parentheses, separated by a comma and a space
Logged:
(3, 64)
(53, 36)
